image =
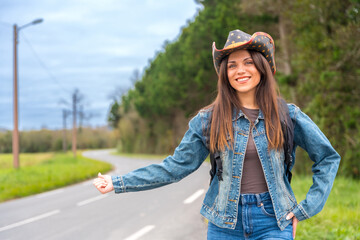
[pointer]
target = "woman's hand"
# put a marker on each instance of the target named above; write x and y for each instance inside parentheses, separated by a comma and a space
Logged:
(294, 222)
(103, 183)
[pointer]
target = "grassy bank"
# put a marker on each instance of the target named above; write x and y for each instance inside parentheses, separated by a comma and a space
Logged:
(41, 172)
(340, 218)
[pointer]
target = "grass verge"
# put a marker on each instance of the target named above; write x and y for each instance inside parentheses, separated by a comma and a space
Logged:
(41, 172)
(340, 218)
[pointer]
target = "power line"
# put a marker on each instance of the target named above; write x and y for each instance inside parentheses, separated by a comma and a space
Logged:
(52, 77)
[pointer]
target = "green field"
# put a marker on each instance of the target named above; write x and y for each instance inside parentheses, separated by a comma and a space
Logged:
(41, 172)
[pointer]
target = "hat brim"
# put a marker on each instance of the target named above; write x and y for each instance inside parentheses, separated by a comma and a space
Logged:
(259, 41)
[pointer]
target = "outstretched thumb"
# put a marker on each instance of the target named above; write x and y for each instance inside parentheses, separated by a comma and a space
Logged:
(100, 176)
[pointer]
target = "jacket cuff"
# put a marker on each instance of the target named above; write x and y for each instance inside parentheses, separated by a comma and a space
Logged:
(300, 213)
(118, 184)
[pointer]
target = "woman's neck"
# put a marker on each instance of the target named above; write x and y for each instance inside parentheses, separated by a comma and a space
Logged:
(248, 101)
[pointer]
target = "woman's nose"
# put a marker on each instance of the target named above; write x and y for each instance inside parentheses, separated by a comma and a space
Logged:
(240, 70)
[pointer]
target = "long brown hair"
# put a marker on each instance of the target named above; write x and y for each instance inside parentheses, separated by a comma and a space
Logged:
(267, 95)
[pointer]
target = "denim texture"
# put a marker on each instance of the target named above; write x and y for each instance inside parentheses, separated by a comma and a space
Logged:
(220, 205)
(256, 220)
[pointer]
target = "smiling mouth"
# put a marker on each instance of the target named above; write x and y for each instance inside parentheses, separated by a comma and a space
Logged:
(242, 79)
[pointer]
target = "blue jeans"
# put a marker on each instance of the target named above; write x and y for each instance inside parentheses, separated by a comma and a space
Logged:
(256, 220)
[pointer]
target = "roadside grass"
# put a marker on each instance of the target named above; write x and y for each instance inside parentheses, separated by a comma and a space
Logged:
(27, 159)
(340, 218)
(41, 172)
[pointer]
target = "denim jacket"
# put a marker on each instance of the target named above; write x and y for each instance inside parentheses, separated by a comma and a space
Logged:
(220, 204)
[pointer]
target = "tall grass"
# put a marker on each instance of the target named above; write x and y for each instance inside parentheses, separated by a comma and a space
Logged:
(44, 171)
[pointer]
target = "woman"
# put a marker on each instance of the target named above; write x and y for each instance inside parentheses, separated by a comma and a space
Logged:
(251, 197)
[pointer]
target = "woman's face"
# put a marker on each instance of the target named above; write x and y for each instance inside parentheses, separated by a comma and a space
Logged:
(242, 73)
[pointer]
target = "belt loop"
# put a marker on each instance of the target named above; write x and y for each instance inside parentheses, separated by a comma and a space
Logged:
(258, 200)
(242, 199)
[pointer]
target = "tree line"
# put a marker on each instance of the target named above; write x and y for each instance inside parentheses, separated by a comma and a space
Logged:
(52, 140)
(317, 56)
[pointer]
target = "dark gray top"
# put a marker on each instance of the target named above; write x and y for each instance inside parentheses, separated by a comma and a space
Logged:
(253, 179)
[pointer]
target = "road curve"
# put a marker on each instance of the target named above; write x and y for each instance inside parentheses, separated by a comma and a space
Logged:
(81, 212)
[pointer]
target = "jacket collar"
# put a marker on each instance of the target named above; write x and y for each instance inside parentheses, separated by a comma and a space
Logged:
(237, 113)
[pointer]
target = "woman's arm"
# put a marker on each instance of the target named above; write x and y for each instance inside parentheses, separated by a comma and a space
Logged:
(188, 157)
(326, 163)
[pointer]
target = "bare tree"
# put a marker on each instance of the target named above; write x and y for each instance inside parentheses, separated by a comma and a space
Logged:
(135, 77)
(120, 91)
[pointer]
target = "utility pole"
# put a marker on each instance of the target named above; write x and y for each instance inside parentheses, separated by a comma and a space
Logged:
(65, 115)
(15, 140)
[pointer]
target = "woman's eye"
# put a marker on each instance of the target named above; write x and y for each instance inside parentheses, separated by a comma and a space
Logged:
(232, 66)
(249, 62)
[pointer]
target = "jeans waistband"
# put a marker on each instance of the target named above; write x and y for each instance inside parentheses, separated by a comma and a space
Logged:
(256, 198)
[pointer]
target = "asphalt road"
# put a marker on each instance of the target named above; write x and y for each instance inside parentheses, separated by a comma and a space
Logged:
(81, 212)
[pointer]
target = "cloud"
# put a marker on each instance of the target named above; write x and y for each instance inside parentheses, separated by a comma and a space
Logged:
(86, 44)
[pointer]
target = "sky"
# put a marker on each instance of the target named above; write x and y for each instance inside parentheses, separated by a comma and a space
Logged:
(92, 46)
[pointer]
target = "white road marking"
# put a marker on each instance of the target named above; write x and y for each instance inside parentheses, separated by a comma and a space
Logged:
(90, 200)
(141, 232)
(193, 197)
(41, 195)
(29, 220)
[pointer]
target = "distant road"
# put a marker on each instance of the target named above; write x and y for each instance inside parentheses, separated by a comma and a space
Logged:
(81, 212)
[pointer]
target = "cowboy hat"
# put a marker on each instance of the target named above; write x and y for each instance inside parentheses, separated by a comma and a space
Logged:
(237, 39)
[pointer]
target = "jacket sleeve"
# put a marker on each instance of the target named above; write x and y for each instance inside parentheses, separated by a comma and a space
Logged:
(326, 163)
(187, 157)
